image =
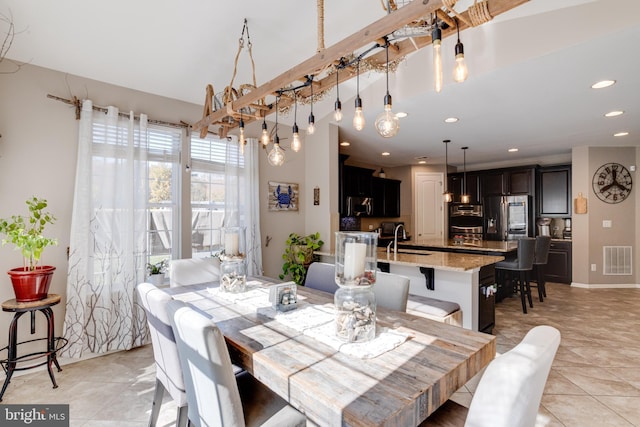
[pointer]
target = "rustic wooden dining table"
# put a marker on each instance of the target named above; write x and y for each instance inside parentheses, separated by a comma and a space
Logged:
(400, 387)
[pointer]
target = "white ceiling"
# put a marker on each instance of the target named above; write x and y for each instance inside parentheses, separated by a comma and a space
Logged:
(530, 69)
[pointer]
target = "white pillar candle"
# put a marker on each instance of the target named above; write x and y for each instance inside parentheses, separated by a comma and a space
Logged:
(231, 244)
(354, 259)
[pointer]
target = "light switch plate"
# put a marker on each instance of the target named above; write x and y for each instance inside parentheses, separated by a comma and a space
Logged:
(606, 223)
(593, 267)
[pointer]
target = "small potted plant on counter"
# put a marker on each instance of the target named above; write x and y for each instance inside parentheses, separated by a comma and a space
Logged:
(157, 271)
(298, 255)
(31, 281)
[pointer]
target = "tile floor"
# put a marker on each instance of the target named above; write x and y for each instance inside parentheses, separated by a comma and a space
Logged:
(594, 380)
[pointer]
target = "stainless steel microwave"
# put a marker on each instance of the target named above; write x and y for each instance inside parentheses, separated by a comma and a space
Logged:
(459, 209)
(359, 206)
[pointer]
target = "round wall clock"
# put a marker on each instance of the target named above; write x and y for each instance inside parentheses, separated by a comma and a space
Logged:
(612, 183)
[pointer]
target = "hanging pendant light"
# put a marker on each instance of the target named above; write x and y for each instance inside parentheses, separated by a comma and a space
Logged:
(460, 71)
(358, 117)
(276, 155)
(436, 41)
(387, 124)
(296, 143)
(464, 197)
(337, 111)
(265, 139)
(447, 196)
(312, 120)
(242, 141)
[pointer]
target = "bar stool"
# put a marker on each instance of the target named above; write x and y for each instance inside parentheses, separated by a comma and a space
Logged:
(10, 364)
(543, 243)
(522, 265)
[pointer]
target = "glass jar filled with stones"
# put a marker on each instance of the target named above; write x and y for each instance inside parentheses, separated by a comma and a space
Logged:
(233, 267)
(355, 301)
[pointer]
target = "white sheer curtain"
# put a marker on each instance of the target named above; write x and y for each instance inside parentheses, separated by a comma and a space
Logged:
(108, 227)
(242, 201)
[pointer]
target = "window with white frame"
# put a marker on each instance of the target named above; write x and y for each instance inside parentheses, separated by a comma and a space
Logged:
(207, 187)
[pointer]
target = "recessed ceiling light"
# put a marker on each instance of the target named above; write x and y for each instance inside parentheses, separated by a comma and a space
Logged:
(603, 84)
(386, 153)
(422, 162)
(451, 119)
(401, 114)
(345, 143)
(512, 150)
(614, 113)
(621, 134)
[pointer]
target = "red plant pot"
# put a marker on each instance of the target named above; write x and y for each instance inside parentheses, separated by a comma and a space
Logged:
(31, 285)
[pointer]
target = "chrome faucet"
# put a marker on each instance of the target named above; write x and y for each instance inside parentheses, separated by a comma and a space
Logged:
(395, 237)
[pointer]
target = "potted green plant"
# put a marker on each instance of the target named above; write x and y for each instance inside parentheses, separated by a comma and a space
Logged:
(157, 271)
(31, 281)
(298, 255)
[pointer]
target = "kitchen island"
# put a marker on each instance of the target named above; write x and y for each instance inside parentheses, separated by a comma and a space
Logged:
(485, 247)
(458, 277)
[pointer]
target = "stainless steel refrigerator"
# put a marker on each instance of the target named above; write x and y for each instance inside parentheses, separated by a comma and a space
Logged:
(507, 217)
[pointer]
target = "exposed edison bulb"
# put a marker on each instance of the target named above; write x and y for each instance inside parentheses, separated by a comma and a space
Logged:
(265, 135)
(337, 112)
(437, 65)
(460, 71)
(312, 125)
(296, 143)
(358, 117)
(242, 141)
(387, 124)
(276, 155)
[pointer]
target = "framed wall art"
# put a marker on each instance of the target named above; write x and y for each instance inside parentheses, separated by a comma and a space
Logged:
(283, 196)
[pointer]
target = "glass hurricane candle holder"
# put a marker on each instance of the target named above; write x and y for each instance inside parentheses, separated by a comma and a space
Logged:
(356, 258)
(355, 313)
(233, 275)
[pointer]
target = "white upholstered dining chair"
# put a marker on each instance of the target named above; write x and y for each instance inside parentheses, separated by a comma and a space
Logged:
(216, 397)
(193, 271)
(165, 353)
(510, 390)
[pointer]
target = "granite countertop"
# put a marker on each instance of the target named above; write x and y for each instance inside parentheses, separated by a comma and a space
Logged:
(480, 246)
(438, 260)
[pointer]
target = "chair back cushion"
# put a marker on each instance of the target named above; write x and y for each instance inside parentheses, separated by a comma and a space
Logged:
(322, 276)
(193, 271)
(165, 352)
(392, 291)
(543, 243)
(526, 253)
(511, 387)
(212, 391)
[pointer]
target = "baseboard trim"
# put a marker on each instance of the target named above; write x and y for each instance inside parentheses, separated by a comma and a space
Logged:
(605, 285)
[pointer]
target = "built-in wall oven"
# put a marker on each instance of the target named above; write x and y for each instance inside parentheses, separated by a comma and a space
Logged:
(466, 221)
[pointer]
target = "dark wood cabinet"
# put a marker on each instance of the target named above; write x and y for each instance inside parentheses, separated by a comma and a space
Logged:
(455, 184)
(558, 268)
(554, 191)
(386, 197)
(512, 181)
(357, 181)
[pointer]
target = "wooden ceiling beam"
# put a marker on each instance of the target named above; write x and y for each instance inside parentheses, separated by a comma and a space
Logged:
(373, 33)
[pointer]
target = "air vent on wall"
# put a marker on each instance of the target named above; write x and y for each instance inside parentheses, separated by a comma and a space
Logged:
(617, 260)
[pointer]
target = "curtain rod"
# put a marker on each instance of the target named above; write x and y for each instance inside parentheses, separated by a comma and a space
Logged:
(78, 104)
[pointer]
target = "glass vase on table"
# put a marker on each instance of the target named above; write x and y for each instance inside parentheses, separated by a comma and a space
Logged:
(355, 302)
(233, 268)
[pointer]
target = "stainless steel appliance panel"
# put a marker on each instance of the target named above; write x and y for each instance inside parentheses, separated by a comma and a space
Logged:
(359, 206)
(465, 220)
(507, 217)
